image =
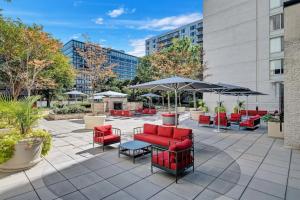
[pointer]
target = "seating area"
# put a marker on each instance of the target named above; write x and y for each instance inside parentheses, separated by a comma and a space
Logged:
(162, 136)
(106, 135)
(146, 111)
(121, 113)
(253, 112)
(251, 123)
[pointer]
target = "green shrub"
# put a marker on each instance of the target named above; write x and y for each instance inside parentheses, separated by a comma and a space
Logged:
(7, 146)
(240, 105)
(45, 136)
(69, 109)
(202, 106)
(221, 107)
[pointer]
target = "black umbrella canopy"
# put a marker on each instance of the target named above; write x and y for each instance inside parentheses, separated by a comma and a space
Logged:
(151, 95)
(246, 93)
(175, 83)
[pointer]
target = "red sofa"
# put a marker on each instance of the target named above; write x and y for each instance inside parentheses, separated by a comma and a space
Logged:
(204, 120)
(224, 122)
(162, 136)
(176, 159)
(106, 135)
(254, 112)
(121, 113)
(235, 117)
(148, 111)
(251, 123)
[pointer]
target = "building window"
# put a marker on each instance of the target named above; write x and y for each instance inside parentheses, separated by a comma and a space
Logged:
(276, 67)
(276, 45)
(276, 22)
(192, 34)
(192, 27)
(275, 3)
(183, 31)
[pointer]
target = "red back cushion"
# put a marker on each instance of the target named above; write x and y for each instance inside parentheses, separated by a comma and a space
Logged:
(150, 129)
(165, 131)
(105, 129)
(179, 146)
(181, 133)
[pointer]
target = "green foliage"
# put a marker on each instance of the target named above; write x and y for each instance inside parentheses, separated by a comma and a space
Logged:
(145, 72)
(269, 118)
(7, 146)
(69, 109)
(221, 107)
(46, 138)
(202, 106)
(240, 105)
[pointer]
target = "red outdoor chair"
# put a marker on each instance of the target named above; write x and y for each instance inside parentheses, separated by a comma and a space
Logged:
(106, 135)
(223, 120)
(204, 120)
(127, 113)
(113, 112)
(175, 160)
(235, 117)
(251, 123)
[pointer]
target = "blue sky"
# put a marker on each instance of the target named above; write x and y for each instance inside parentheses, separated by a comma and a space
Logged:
(119, 24)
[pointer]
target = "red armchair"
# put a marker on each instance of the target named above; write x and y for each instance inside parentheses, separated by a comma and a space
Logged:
(223, 120)
(251, 123)
(127, 113)
(204, 120)
(175, 160)
(106, 135)
(235, 118)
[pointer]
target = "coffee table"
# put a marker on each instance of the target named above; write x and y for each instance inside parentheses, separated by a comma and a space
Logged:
(134, 149)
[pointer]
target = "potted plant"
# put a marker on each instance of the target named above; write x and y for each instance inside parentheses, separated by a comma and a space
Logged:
(202, 109)
(275, 125)
(21, 146)
(220, 108)
(240, 105)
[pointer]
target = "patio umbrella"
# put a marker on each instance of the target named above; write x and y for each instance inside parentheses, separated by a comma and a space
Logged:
(76, 93)
(150, 96)
(111, 94)
(96, 97)
(175, 84)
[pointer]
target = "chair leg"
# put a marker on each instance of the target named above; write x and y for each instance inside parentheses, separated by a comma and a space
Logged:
(151, 168)
(103, 147)
(176, 177)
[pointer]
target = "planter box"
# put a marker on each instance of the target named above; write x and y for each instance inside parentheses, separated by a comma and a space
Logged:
(27, 154)
(52, 116)
(195, 115)
(274, 130)
(180, 109)
(92, 121)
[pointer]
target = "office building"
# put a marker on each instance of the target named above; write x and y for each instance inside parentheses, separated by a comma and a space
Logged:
(192, 30)
(243, 45)
(125, 68)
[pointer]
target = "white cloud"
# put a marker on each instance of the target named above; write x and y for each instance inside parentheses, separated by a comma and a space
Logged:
(138, 46)
(169, 23)
(76, 36)
(116, 12)
(99, 20)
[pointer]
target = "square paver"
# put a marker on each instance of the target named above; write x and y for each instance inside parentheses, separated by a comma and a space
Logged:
(121, 195)
(62, 188)
(99, 190)
(143, 189)
(208, 195)
(268, 187)
(27, 196)
(74, 170)
(199, 178)
(85, 180)
(236, 192)
(109, 171)
(185, 189)
(124, 179)
(142, 171)
(166, 195)
(221, 186)
(74, 196)
(251, 194)
(161, 178)
(95, 163)
(292, 193)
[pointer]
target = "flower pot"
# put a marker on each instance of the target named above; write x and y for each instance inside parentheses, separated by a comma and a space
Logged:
(195, 114)
(274, 130)
(92, 121)
(27, 154)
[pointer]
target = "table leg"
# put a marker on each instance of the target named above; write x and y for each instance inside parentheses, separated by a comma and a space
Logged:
(133, 156)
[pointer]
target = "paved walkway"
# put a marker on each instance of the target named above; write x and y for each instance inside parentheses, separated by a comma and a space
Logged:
(236, 164)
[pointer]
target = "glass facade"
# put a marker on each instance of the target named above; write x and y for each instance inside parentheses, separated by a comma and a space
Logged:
(125, 68)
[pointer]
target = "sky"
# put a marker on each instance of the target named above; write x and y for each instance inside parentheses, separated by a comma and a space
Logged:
(118, 24)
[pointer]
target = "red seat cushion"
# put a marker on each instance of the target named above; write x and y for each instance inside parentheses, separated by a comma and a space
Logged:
(181, 133)
(155, 139)
(107, 139)
(187, 143)
(150, 129)
(235, 117)
(164, 159)
(165, 131)
(105, 130)
(204, 119)
(246, 123)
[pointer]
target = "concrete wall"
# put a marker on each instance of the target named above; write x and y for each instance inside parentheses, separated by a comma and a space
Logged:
(236, 49)
(291, 77)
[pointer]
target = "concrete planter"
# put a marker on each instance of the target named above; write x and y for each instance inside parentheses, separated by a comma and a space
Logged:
(180, 109)
(27, 154)
(92, 121)
(52, 116)
(274, 130)
(195, 114)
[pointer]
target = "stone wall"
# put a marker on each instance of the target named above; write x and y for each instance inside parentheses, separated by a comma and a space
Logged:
(292, 76)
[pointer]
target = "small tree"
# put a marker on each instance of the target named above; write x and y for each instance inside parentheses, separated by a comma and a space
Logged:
(96, 65)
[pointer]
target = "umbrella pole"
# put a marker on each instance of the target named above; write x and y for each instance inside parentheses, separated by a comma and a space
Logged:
(238, 101)
(163, 102)
(247, 107)
(218, 113)
(176, 108)
(194, 98)
(169, 106)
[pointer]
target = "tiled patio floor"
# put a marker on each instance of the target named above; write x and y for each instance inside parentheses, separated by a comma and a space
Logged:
(231, 165)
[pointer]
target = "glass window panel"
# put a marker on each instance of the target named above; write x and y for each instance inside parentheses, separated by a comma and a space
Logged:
(276, 66)
(275, 3)
(276, 45)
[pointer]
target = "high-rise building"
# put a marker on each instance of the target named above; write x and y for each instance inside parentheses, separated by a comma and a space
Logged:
(243, 45)
(125, 68)
(192, 30)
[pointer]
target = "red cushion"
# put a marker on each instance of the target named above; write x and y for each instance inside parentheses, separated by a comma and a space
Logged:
(164, 159)
(165, 131)
(104, 130)
(187, 143)
(150, 129)
(155, 139)
(181, 133)
(204, 119)
(107, 139)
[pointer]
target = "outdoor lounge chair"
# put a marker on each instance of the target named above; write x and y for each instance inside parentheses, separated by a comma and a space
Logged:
(223, 120)
(178, 158)
(106, 135)
(204, 120)
(251, 123)
(235, 118)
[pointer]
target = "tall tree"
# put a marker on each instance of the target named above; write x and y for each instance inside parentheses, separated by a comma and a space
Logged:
(145, 71)
(95, 65)
(182, 58)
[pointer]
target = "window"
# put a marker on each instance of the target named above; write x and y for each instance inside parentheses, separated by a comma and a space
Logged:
(183, 31)
(276, 66)
(192, 27)
(192, 34)
(276, 22)
(276, 45)
(275, 3)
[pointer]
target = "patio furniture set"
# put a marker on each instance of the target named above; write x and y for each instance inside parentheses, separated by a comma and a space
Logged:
(248, 119)
(128, 113)
(171, 148)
